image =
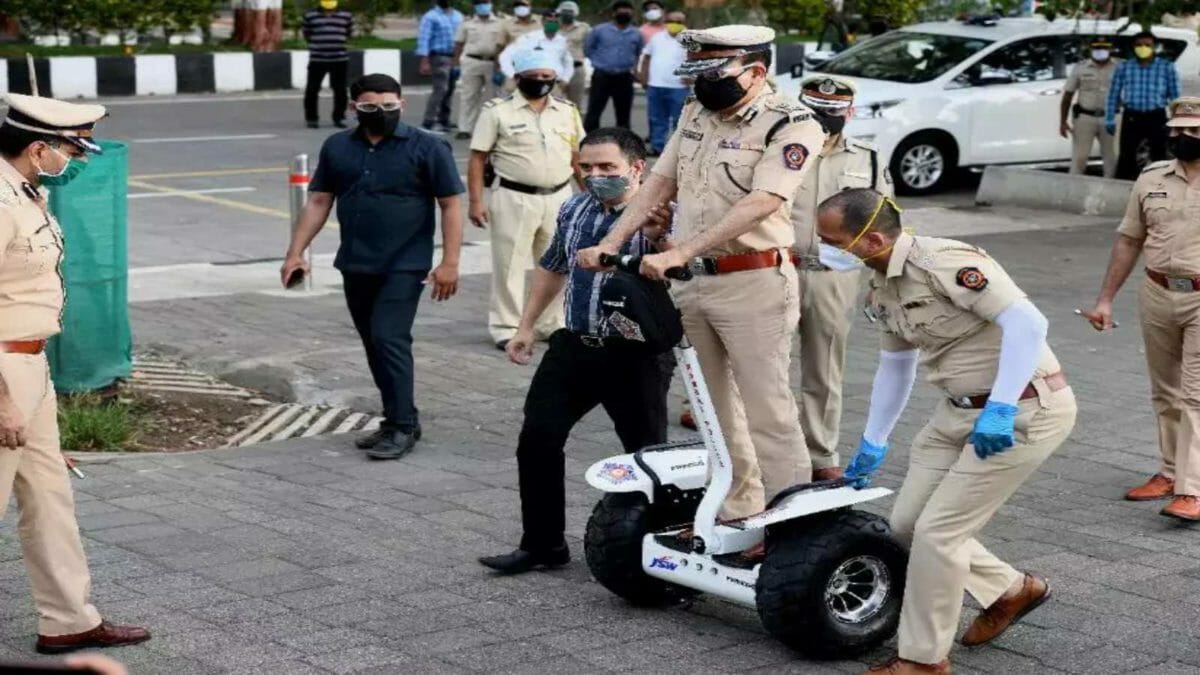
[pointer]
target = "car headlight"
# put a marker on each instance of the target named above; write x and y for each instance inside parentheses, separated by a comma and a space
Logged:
(874, 110)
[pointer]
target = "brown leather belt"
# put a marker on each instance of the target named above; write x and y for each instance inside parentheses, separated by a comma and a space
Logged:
(738, 262)
(1054, 382)
(30, 347)
(1173, 283)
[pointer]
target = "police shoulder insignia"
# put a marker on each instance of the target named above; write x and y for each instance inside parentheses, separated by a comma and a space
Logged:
(971, 278)
(494, 102)
(869, 147)
(794, 156)
(1161, 164)
(560, 99)
(691, 98)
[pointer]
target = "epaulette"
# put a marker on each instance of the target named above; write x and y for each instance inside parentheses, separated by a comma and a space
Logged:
(560, 99)
(859, 143)
(926, 256)
(495, 102)
(794, 110)
(9, 194)
(1160, 164)
(691, 98)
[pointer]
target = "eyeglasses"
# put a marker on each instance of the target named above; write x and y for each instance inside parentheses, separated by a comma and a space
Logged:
(389, 106)
(724, 72)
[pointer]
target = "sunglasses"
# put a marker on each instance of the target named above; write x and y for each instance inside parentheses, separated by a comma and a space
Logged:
(390, 106)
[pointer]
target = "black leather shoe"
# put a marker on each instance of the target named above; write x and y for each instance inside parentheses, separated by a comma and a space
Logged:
(372, 439)
(502, 345)
(521, 561)
(395, 444)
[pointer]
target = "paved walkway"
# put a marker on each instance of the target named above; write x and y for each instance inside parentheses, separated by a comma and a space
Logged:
(303, 557)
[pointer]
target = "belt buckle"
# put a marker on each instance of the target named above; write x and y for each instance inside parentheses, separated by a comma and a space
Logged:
(592, 341)
(701, 266)
(1181, 284)
(810, 263)
(963, 402)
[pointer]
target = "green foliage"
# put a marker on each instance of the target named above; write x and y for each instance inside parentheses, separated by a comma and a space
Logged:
(126, 17)
(88, 422)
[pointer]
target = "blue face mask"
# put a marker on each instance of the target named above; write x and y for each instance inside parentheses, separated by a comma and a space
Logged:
(483, 9)
(838, 260)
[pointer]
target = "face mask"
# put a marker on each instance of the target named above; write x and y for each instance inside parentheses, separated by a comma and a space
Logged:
(484, 9)
(535, 89)
(443, 3)
(380, 122)
(624, 19)
(1100, 54)
(70, 169)
(674, 29)
(718, 95)
(521, 11)
(607, 188)
(567, 17)
(1185, 148)
(654, 14)
(550, 26)
(836, 259)
(833, 123)
(1143, 52)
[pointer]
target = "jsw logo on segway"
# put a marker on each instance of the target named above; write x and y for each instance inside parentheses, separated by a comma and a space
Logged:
(664, 563)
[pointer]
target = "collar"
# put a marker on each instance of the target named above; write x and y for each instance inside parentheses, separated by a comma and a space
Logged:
(522, 102)
(749, 111)
(900, 252)
(839, 146)
(1175, 168)
(10, 175)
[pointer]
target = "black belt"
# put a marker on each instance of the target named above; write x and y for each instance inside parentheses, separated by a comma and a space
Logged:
(1155, 112)
(594, 341)
(1080, 110)
(481, 58)
(578, 64)
(447, 54)
(531, 190)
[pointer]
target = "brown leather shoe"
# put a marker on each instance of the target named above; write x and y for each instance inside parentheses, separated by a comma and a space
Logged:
(687, 421)
(1184, 507)
(994, 620)
(899, 666)
(1158, 487)
(104, 635)
(828, 473)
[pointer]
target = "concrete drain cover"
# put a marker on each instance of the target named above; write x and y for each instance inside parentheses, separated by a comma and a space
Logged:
(292, 420)
(157, 375)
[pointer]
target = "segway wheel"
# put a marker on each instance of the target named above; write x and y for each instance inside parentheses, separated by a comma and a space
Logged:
(613, 548)
(831, 585)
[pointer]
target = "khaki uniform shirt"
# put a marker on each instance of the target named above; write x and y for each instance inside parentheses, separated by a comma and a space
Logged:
(575, 34)
(716, 162)
(480, 37)
(31, 252)
(514, 28)
(1164, 216)
(1092, 81)
(850, 163)
(528, 147)
(942, 296)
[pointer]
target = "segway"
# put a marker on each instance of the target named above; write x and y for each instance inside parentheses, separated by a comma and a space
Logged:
(832, 580)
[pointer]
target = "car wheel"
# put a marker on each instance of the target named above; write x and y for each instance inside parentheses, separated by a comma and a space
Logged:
(923, 163)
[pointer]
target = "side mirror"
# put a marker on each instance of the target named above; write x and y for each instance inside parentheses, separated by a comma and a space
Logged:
(797, 70)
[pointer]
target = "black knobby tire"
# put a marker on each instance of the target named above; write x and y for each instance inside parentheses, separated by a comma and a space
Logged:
(802, 559)
(613, 548)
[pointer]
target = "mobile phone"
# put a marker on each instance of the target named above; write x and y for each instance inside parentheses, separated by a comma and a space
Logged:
(295, 278)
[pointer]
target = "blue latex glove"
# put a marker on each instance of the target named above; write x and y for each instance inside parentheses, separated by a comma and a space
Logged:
(993, 432)
(1111, 128)
(455, 73)
(498, 78)
(865, 462)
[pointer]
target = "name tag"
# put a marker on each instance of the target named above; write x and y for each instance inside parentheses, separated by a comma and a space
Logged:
(1157, 194)
(688, 133)
(738, 145)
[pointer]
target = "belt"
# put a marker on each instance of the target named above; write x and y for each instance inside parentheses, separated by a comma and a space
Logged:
(1054, 382)
(1172, 283)
(739, 262)
(808, 262)
(448, 54)
(593, 341)
(481, 57)
(578, 64)
(531, 190)
(30, 347)
(1080, 110)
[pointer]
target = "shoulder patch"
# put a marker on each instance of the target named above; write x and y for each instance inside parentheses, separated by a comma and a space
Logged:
(971, 278)
(794, 156)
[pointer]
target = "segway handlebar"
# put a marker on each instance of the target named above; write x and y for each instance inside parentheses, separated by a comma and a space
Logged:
(632, 264)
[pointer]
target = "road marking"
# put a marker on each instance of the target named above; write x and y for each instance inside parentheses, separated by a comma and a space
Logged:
(209, 199)
(185, 193)
(190, 139)
(207, 174)
(423, 90)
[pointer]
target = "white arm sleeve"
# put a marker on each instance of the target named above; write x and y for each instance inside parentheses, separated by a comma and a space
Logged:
(894, 380)
(1020, 349)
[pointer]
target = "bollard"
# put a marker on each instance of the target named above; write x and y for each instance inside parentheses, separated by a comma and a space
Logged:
(297, 194)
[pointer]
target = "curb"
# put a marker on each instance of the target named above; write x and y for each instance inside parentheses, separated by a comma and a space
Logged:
(1054, 191)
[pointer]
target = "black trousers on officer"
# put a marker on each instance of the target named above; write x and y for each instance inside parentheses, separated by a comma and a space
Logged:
(383, 307)
(571, 380)
(337, 82)
(606, 85)
(1137, 127)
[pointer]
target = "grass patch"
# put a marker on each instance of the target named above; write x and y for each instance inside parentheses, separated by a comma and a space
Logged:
(89, 422)
(17, 50)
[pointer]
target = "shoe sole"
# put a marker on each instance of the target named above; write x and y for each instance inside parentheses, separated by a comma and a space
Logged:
(1148, 499)
(1019, 615)
(43, 649)
(368, 446)
(1179, 516)
(539, 566)
(382, 457)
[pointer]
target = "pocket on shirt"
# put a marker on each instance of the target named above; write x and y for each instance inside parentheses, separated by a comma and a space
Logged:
(734, 169)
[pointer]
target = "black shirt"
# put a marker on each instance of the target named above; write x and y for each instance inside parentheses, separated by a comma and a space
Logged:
(386, 197)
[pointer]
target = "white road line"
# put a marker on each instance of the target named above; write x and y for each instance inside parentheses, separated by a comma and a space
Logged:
(133, 384)
(245, 98)
(322, 422)
(258, 423)
(349, 423)
(189, 139)
(295, 425)
(373, 424)
(184, 193)
(289, 411)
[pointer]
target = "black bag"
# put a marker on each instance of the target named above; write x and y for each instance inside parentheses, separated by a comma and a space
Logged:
(641, 312)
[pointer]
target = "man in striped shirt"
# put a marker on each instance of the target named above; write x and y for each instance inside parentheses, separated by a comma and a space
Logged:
(327, 30)
(1143, 87)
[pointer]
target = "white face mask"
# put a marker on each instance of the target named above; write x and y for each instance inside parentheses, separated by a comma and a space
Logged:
(654, 14)
(838, 260)
(521, 11)
(66, 164)
(1100, 54)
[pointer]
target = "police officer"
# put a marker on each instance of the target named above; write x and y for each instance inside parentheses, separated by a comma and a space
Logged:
(1088, 87)
(827, 289)
(1005, 408)
(475, 52)
(576, 32)
(531, 139)
(43, 142)
(1161, 222)
(734, 164)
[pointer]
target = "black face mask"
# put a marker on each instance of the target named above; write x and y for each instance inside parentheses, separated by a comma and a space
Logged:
(718, 95)
(533, 89)
(624, 19)
(833, 123)
(380, 123)
(443, 3)
(1185, 148)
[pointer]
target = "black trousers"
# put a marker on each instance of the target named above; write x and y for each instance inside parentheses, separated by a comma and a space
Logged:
(383, 307)
(572, 379)
(1135, 128)
(605, 85)
(337, 82)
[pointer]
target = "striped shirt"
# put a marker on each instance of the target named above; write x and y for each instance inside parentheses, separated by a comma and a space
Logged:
(435, 35)
(327, 34)
(1142, 88)
(582, 223)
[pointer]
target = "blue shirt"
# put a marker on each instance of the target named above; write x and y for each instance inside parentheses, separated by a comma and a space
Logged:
(386, 196)
(1142, 88)
(613, 49)
(582, 223)
(435, 35)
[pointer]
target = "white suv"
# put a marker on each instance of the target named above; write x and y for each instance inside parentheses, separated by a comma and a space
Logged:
(938, 96)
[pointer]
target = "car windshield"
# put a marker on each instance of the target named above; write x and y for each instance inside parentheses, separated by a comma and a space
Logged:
(903, 56)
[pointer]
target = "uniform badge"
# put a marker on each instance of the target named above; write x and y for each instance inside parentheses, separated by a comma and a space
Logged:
(794, 156)
(972, 278)
(827, 87)
(688, 133)
(1157, 194)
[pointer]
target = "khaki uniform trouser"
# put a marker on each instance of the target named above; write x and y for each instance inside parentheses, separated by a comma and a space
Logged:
(826, 300)
(1085, 130)
(948, 496)
(474, 87)
(741, 326)
(1171, 331)
(577, 87)
(522, 227)
(46, 526)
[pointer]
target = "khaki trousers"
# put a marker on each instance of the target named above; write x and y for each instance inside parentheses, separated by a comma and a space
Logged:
(1171, 331)
(522, 227)
(1086, 130)
(826, 300)
(475, 87)
(46, 526)
(577, 87)
(948, 496)
(741, 326)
